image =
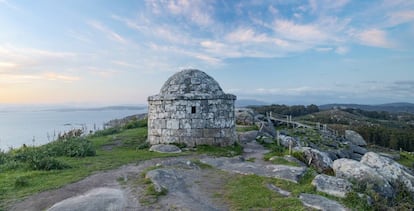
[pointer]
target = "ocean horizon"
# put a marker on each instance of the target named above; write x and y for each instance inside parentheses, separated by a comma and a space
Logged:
(36, 127)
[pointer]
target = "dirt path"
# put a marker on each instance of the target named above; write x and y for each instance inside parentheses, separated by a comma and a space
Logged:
(203, 185)
(190, 187)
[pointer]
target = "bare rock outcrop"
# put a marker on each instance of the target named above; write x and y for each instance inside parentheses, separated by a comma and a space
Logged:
(392, 171)
(364, 175)
(332, 185)
(320, 203)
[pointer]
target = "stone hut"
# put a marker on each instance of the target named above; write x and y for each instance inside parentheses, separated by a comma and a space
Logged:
(192, 109)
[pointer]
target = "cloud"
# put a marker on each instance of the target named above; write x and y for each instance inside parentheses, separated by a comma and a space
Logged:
(299, 32)
(341, 50)
(108, 32)
(194, 11)
(318, 6)
(400, 17)
(54, 77)
(374, 37)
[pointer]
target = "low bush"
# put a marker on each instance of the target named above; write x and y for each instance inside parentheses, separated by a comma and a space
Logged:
(75, 147)
(136, 124)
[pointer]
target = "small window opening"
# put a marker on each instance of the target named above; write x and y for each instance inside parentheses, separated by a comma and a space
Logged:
(193, 109)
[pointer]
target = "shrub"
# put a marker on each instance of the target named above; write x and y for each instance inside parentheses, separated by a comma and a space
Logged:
(136, 124)
(75, 147)
(21, 181)
(108, 131)
(48, 163)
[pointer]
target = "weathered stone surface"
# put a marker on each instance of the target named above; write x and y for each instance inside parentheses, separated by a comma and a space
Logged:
(287, 140)
(248, 136)
(355, 138)
(244, 116)
(293, 160)
(183, 188)
(319, 160)
(358, 149)
(392, 171)
(191, 108)
(332, 185)
(361, 173)
(289, 173)
(94, 200)
(278, 190)
(165, 148)
(320, 202)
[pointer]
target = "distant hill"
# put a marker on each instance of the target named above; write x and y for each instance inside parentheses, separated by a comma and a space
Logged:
(389, 107)
(100, 108)
(249, 102)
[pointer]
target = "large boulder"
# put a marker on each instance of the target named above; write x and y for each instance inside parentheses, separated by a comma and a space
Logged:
(363, 175)
(244, 116)
(357, 149)
(394, 172)
(93, 200)
(290, 173)
(248, 136)
(332, 185)
(165, 148)
(288, 140)
(319, 160)
(320, 203)
(355, 138)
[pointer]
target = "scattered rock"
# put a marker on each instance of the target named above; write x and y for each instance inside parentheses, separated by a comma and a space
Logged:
(248, 136)
(165, 148)
(290, 173)
(166, 179)
(184, 189)
(332, 185)
(356, 171)
(278, 190)
(94, 200)
(358, 149)
(287, 140)
(244, 116)
(392, 171)
(319, 160)
(292, 159)
(394, 156)
(320, 202)
(355, 138)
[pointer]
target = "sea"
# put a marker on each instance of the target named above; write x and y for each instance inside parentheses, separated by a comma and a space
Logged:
(37, 127)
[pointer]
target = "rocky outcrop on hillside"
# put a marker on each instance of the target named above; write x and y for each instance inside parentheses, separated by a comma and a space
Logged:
(346, 158)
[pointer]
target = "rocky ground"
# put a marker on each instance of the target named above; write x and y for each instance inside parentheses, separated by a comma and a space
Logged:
(196, 182)
(184, 183)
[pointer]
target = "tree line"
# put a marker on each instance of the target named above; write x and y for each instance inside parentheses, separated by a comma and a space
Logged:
(295, 110)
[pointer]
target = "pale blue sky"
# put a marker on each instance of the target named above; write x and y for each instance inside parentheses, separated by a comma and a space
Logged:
(119, 52)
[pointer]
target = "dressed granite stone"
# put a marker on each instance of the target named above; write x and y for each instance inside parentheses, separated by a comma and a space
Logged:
(191, 108)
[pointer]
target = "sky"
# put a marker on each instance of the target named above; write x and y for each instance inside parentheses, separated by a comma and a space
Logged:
(105, 52)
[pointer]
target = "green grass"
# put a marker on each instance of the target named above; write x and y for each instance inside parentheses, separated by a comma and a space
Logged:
(282, 161)
(406, 159)
(228, 151)
(201, 164)
(20, 182)
(245, 128)
(250, 193)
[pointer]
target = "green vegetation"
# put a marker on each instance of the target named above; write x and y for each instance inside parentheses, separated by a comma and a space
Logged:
(295, 110)
(201, 164)
(150, 195)
(245, 128)
(30, 170)
(229, 151)
(406, 159)
(250, 192)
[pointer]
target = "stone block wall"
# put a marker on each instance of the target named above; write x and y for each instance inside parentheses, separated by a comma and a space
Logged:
(193, 122)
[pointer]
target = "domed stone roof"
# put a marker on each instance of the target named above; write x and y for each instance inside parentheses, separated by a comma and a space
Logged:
(191, 82)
